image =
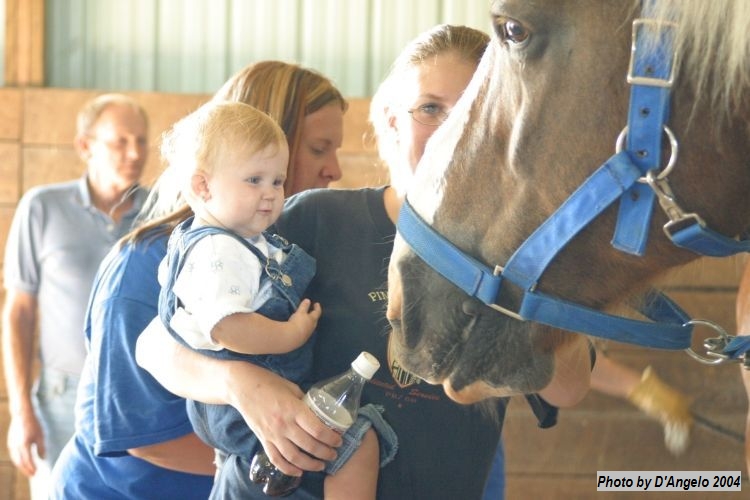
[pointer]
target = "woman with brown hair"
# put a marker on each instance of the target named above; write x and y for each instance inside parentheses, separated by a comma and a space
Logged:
(133, 438)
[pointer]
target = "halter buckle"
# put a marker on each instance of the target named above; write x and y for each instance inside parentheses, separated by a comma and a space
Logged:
(498, 271)
(678, 218)
(651, 81)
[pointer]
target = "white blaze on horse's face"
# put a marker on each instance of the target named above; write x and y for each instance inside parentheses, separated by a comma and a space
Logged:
(426, 189)
(425, 193)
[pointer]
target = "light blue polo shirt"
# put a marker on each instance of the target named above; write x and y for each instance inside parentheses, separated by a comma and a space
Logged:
(56, 241)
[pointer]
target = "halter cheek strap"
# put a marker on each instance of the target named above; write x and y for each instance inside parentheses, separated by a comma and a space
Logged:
(651, 76)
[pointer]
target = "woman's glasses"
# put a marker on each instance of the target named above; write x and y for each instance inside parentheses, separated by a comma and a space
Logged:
(428, 114)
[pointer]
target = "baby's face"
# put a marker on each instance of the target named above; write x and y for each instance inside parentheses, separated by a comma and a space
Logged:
(247, 191)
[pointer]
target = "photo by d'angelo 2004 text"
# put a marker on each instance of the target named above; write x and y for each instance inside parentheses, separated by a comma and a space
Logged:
(669, 481)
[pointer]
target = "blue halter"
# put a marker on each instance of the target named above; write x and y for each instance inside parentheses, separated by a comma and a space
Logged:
(631, 176)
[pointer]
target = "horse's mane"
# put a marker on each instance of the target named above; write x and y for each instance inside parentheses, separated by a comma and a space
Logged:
(713, 45)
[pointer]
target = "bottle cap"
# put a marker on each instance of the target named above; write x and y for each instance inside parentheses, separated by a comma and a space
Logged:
(366, 365)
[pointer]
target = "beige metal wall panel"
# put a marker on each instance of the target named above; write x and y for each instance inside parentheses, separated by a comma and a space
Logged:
(335, 41)
(195, 45)
(65, 41)
(100, 44)
(261, 29)
(192, 48)
(394, 23)
(475, 13)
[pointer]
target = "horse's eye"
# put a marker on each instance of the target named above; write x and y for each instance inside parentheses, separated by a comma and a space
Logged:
(511, 31)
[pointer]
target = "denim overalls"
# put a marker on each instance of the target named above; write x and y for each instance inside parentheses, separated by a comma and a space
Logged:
(222, 426)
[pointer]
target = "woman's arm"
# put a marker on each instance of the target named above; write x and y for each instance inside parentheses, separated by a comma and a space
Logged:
(572, 377)
(746, 382)
(743, 328)
(184, 454)
(272, 406)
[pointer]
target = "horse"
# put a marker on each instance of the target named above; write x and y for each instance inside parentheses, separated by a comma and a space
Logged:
(547, 106)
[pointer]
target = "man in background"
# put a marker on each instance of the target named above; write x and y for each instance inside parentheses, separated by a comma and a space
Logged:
(59, 235)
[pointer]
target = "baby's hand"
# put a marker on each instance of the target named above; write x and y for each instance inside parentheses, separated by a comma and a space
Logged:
(304, 319)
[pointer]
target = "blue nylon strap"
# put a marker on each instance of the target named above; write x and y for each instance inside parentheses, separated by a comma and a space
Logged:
(737, 347)
(658, 307)
(649, 111)
(477, 280)
(668, 333)
(705, 241)
(599, 191)
(633, 220)
(468, 274)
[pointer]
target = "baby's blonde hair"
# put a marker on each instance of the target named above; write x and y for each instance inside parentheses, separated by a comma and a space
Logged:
(216, 132)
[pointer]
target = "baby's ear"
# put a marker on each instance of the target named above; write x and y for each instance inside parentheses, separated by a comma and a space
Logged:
(199, 186)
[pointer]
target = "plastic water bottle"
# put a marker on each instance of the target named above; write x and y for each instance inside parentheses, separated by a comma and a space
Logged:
(336, 402)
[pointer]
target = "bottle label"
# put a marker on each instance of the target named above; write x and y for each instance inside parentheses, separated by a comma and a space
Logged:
(325, 407)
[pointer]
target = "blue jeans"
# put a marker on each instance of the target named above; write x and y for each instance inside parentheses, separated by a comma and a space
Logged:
(54, 402)
(495, 487)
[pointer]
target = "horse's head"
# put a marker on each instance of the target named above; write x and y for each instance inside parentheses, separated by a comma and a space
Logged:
(541, 114)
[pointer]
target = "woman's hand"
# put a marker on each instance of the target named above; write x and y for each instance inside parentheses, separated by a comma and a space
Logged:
(292, 436)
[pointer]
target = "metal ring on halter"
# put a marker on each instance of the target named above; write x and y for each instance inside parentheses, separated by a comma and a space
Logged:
(725, 338)
(672, 157)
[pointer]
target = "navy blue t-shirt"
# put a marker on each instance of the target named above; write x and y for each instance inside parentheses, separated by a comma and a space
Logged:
(445, 449)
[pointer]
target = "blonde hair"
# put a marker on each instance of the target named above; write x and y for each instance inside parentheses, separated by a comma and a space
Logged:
(287, 93)
(713, 45)
(468, 43)
(215, 133)
(93, 109)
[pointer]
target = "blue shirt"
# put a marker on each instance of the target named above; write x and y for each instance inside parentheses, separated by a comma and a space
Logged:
(120, 406)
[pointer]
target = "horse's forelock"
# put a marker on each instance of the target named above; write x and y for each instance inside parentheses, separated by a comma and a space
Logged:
(713, 44)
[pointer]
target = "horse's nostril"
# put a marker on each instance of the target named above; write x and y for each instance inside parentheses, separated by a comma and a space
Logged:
(470, 308)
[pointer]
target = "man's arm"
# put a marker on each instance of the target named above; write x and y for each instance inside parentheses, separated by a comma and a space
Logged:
(19, 326)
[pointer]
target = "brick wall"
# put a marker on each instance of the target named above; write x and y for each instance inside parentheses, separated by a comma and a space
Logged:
(36, 132)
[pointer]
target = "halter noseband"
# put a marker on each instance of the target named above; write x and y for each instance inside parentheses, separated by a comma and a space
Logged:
(631, 176)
